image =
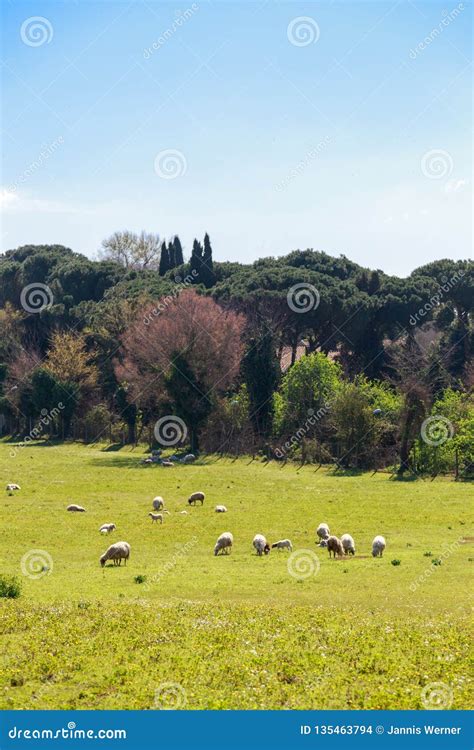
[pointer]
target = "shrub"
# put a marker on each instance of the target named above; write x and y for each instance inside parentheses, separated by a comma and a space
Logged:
(396, 562)
(10, 587)
(140, 578)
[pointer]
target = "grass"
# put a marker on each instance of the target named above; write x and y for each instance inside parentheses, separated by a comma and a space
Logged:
(234, 631)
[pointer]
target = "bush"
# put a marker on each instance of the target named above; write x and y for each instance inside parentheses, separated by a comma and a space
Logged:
(10, 587)
(140, 578)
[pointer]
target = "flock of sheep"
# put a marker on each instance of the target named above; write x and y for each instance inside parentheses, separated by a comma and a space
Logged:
(121, 550)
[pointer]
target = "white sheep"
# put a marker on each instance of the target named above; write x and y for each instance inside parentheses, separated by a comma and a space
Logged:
(156, 517)
(116, 552)
(261, 545)
(334, 545)
(76, 508)
(220, 509)
(11, 488)
(107, 528)
(348, 544)
(283, 544)
(158, 503)
(195, 497)
(189, 458)
(224, 542)
(378, 546)
(322, 532)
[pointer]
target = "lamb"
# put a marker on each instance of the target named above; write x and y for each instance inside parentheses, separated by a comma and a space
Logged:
(116, 552)
(348, 544)
(76, 508)
(283, 544)
(323, 532)
(156, 517)
(261, 545)
(11, 488)
(224, 542)
(192, 500)
(378, 546)
(220, 509)
(107, 528)
(158, 503)
(335, 546)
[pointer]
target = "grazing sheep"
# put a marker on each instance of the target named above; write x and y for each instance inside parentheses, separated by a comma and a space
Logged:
(189, 458)
(158, 503)
(323, 543)
(76, 508)
(220, 509)
(193, 499)
(322, 532)
(348, 544)
(107, 528)
(11, 488)
(165, 462)
(283, 544)
(156, 517)
(224, 542)
(116, 552)
(261, 545)
(378, 546)
(335, 546)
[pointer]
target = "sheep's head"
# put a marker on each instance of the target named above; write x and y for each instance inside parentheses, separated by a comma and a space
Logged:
(102, 561)
(267, 549)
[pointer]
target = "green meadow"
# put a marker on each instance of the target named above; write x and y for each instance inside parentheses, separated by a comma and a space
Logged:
(179, 627)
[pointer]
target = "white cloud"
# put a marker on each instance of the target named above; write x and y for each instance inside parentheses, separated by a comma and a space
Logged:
(13, 202)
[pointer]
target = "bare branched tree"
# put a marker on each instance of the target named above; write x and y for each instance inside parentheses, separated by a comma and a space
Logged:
(131, 250)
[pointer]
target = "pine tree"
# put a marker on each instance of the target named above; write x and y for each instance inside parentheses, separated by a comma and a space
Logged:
(164, 260)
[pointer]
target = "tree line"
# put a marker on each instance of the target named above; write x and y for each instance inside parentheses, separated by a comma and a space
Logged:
(304, 357)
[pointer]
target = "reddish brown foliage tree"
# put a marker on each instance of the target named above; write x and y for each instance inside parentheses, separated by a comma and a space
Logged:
(179, 355)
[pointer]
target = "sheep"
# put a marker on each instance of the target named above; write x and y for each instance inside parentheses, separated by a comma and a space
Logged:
(11, 488)
(283, 544)
(192, 500)
(189, 458)
(116, 552)
(220, 509)
(335, 546)
(158, 503)
(261, 545)
(166, 462)
(348, 544)
(107, 528)
(156, 517)
(378, 546)
(224, 542)
(322, 532)
(76, 508)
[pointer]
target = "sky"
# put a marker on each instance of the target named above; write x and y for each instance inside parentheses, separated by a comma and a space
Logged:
(274, 126)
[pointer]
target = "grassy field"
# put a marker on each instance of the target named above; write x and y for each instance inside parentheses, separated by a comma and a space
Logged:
(233, 631)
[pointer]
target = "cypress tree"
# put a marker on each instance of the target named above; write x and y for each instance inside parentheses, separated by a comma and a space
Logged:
(178, 251)
(196, 261)
(164, 260)
(207, 269)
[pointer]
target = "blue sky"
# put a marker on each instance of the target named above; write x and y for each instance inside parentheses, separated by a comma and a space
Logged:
(296, 125)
